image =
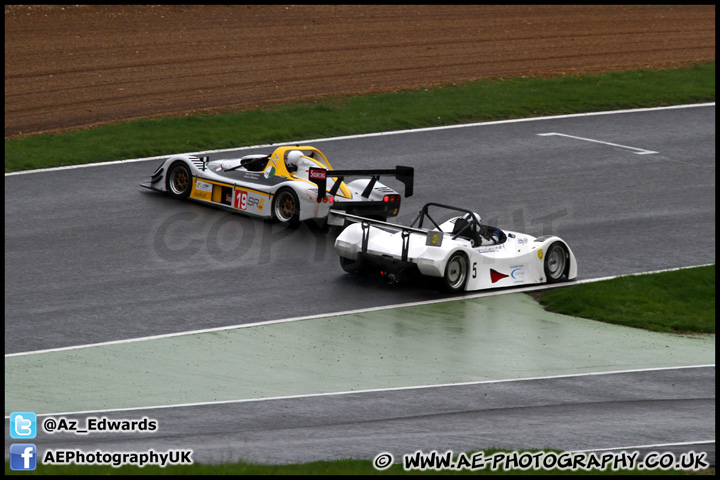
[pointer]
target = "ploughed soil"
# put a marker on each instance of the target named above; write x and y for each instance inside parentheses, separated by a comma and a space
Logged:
(73, 67)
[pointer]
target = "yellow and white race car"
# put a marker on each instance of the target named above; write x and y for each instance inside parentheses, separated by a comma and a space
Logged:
(290, 185)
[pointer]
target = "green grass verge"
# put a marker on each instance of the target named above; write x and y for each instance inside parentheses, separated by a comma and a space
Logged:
(681, 301)
(468, 102)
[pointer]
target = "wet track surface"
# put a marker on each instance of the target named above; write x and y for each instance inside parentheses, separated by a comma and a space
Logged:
(91, 257)
(573, 413)
(115, 261)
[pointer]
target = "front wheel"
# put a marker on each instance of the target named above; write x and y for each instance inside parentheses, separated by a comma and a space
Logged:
(179, 180)
(456, 273)
(556, 261)
(286, 207)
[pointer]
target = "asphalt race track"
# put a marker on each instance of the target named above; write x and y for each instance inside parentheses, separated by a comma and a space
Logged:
(91, 257)
(116, 261)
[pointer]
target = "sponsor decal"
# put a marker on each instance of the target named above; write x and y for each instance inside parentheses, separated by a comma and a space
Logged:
(540, 253)
(317, 174)
(255, 202)
(434, 239)
(489, 249)
(270, 172)
(518, 273)
(203, 186)
(496, 276)
(201, 190)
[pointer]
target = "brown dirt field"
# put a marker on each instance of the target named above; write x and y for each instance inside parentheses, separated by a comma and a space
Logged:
(72, 67)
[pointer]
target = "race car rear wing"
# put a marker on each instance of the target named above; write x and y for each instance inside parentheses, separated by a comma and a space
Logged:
(433, 238)
(318, 176)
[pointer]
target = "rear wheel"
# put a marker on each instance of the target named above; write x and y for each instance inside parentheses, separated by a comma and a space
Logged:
(179, 180)
(556, 261)
(286, 207)
(456, 272)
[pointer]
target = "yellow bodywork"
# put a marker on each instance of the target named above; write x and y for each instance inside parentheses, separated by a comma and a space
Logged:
(276, 166)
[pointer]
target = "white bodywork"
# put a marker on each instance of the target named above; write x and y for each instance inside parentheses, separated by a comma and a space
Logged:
(251, 192)
(519, 260)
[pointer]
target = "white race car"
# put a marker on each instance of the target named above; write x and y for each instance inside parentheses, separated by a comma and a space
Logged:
(462, 252)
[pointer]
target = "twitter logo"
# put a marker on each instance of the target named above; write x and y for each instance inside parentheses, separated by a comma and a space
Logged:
(23, 425)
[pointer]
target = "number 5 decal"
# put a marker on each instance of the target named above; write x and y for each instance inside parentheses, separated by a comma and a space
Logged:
(474, 269)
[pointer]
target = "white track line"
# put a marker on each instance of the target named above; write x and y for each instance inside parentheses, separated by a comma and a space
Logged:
(368, 135)
(347, 312)
(637, 151)
(374, 390)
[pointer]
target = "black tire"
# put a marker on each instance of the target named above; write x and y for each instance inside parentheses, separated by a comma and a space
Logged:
(285, 207)
(556, 262)
(456, 272)
(179, 180)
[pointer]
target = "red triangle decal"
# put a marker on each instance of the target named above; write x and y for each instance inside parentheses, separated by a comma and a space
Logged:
(495, 276)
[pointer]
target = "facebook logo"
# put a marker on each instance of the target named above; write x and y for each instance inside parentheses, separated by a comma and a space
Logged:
(23, 425)
(23, 456)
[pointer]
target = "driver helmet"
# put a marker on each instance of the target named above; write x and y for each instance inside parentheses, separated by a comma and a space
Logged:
(294, 157)
(462, 222)
(474, 217)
